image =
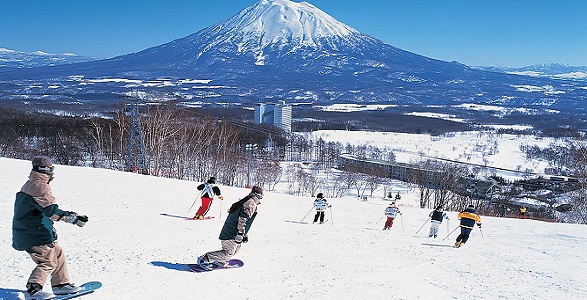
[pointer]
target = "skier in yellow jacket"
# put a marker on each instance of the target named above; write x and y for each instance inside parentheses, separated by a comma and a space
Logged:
(468, 219)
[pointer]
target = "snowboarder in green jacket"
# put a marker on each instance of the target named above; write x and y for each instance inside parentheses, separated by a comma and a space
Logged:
(235, 230)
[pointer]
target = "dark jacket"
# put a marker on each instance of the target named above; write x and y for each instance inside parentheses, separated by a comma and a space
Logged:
(34, 212)
(209, 190)
(241, 219)
(469, 217)
(438, 215)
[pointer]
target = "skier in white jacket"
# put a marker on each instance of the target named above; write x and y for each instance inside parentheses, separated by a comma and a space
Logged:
(391, 211)
(321, 205)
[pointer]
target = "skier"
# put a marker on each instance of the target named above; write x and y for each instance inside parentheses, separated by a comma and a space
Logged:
(436, 219)
(522, 212)
(391, 211)
(235, 230)
(502, 210)
(209, 190)
(35, 210)
(468, 219)
(321, 205)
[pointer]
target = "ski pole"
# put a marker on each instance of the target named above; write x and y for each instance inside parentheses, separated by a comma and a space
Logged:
(401, 218)
(380, 219)
(331, 218)
(221, 208)
(450, 233)
(192, 205)
(481, 231)
(308, 213)
(422, 226)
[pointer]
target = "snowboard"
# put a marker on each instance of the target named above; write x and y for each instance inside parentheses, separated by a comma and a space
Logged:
(86, 288)
(234, 263)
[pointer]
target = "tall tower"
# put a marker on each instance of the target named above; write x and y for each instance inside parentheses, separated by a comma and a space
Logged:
(135, 160)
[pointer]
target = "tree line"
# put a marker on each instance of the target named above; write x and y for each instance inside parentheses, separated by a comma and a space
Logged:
(181, 143)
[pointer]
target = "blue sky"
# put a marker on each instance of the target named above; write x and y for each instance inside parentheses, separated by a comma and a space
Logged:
(474, 32)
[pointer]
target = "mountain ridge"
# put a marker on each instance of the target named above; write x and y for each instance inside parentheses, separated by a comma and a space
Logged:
(265, 52)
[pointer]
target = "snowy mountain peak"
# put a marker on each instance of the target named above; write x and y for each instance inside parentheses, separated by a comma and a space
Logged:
(279, 23)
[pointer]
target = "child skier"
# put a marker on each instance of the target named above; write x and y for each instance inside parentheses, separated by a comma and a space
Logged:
(468, 219)
(35, 210)
(209, 190)
(234, 232)
(437, 215)
(320, 204)
(391, 211)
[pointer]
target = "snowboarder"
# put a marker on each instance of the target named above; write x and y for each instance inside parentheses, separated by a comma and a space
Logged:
(321, 205)
(436, 219)
(235, 230)
(391, 211)
(209, 191)
(35, 210)
(468, 219)
(522, 212)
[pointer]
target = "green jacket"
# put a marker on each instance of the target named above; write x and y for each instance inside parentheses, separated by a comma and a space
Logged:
(241, 219)
(35, 211)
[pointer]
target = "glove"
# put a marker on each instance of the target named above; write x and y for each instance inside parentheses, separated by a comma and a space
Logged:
(239, 238)
(245, 238)
(221, 198)
(81, 220)
(75, 219)
(479, 225)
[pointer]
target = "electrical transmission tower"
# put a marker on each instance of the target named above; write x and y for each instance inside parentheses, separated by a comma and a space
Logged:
(135, 160)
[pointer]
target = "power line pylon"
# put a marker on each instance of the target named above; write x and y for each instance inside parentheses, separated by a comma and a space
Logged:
(136, 159)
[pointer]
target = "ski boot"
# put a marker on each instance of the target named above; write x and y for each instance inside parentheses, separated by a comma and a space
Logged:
(221, 264)
(204, 263)
(65, 289)
(34, 291)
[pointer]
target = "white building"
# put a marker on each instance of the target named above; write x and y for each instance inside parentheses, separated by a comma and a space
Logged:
(278, 115)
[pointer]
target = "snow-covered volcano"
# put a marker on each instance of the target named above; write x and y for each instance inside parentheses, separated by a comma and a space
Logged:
(275, 33)
(281, 23)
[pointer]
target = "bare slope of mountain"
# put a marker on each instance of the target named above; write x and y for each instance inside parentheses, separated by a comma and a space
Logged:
(280, 49)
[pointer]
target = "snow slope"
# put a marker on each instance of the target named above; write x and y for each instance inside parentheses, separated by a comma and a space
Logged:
(134, 250)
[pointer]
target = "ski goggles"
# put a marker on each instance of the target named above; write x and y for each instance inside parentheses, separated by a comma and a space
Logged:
(45, 169)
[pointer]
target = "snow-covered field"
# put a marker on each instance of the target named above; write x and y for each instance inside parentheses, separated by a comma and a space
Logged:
(134, 250)
(484, 148)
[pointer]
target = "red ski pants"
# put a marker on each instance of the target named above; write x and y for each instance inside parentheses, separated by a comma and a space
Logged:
(203, 210)
(389, 222)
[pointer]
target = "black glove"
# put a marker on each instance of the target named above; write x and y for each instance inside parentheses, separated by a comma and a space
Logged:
(245, 238)
(239, 238)
(479, 225)
(81, 220)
